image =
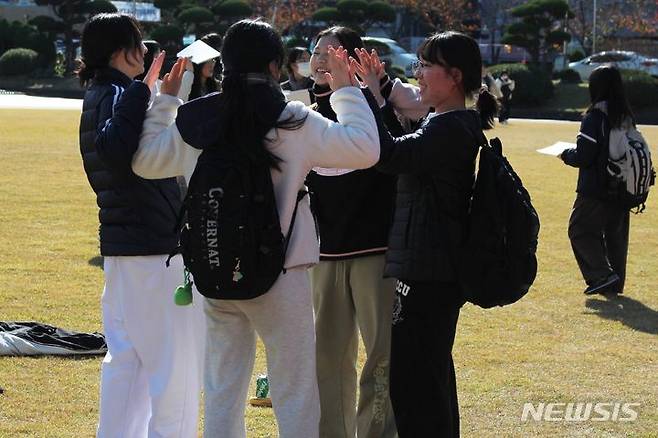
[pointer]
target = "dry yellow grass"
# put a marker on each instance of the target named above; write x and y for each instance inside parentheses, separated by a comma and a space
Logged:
(553, 346)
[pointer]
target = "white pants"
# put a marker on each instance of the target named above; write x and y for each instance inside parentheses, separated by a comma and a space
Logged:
(283, 318)
(150, 378)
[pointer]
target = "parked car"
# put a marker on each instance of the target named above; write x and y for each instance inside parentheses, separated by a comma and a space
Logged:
(620, 59)
(392, 53)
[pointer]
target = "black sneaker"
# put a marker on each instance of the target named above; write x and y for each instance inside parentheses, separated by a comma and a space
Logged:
(604, 286)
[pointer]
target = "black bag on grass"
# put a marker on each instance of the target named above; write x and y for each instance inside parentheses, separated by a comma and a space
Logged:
(498, 262)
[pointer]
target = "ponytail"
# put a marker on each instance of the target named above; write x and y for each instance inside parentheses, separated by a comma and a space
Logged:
(487, 106)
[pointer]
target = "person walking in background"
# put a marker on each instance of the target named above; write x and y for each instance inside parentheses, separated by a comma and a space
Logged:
(599, 227)
(436, 170)
(298, 69)
(353, 209)
(250, 115)
(506, 85)
(150, 377)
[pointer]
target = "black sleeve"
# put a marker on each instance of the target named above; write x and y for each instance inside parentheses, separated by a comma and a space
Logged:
(433, 145)
(120, 125)
(391, 121)
(588, 142)
(385, 86)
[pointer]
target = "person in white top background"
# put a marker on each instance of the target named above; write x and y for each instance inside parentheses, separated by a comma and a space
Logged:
(251, 113)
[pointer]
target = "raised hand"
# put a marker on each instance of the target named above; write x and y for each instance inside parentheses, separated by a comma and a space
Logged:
(154, 71)
(369, 69)
(172, 81)
(339, 67)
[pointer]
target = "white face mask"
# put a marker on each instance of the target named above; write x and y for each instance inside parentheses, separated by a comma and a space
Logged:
(304, 69)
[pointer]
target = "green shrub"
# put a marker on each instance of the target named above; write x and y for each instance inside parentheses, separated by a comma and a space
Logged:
(327, 14)
(569, 76)
(641, 88)
(168, 34)
(19, 61)
(232, 9)
(533, 86)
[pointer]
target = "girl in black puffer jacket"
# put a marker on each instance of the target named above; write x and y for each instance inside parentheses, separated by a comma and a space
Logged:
(435, 166)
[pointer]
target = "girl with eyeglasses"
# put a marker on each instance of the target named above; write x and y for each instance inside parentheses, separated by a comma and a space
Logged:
(435, 166)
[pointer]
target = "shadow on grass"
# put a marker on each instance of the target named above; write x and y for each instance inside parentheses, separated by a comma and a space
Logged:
(628, 311)
(96, 261)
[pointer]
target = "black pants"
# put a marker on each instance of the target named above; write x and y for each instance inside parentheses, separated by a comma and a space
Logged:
(598, 231)
(423, 387)
(505, 108)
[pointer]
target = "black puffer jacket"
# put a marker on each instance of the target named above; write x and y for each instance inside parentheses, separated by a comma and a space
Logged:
(137, 216)
(436, 169)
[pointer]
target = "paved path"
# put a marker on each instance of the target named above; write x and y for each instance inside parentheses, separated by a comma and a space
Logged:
(21, 101)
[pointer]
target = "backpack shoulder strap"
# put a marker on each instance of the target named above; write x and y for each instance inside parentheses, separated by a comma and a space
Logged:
(300, 196)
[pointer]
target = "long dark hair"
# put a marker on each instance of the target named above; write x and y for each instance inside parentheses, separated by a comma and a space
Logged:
(605, 85)
(460, 51)
(103, 35)
(249, 108)
(200, 86)
(348, 38)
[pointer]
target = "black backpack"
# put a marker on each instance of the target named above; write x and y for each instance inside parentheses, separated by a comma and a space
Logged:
(498, 262)
(232, 241)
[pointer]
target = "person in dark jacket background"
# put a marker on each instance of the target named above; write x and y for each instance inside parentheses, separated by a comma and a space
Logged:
(436, 169)
(598, 227)
(150, 377)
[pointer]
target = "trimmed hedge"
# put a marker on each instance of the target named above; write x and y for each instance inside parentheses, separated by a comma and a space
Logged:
(18, 61)
(533, 85)
(641, 88)
(569, 76)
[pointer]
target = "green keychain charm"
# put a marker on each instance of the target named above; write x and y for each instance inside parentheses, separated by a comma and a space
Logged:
(183, 294)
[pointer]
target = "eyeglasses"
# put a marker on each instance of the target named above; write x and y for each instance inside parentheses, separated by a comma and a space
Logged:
(417, 65)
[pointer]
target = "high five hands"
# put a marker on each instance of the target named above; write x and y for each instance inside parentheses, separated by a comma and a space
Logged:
(345, 71)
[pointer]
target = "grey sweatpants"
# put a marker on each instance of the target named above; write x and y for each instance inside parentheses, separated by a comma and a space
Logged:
(350, 296)
(283, 318)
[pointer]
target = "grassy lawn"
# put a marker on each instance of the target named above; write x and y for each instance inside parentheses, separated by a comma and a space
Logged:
(553, 346)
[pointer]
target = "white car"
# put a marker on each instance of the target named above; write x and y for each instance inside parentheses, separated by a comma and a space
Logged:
(392, 53)
(621, 60)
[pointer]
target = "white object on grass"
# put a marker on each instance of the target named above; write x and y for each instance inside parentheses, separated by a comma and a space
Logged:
(556, 148)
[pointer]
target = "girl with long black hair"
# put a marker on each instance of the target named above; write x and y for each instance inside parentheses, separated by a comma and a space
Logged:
(150, 377)
(251, 115)
(435, 166)
(598, 227)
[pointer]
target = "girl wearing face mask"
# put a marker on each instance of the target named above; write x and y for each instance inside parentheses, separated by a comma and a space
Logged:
(150, 377)
(298, 69)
